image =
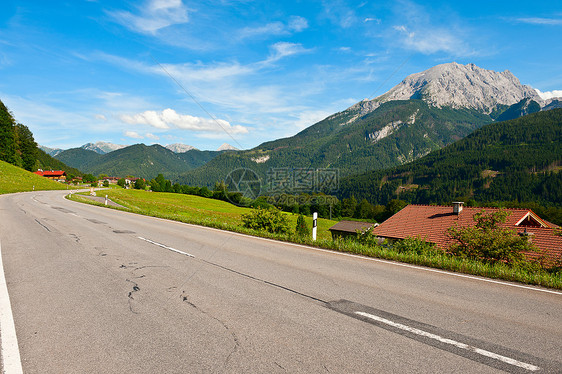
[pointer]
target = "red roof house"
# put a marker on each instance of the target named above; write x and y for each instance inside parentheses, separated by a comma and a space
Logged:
(430, 222)
(57, 175)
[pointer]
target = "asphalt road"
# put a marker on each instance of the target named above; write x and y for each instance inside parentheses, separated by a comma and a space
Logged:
(95, 290)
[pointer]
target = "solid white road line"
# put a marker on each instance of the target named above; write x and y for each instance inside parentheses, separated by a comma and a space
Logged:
(165, 246)
(11, 360)
(454, 343)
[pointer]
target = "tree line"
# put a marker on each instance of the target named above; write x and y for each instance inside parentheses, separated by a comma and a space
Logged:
(17, 145)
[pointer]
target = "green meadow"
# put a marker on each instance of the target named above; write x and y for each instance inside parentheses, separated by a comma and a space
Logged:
(14, 179)
(195, 209)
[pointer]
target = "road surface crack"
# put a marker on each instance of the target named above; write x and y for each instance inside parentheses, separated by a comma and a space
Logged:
(45, 227)
(232, 334)
(131, 297)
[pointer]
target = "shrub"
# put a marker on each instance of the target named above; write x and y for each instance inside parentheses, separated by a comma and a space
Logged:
(271, 220)
(414, 245)
(488, 241)
(302, 229)
(367, 237)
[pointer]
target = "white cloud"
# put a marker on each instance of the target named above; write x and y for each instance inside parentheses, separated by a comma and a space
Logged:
(339, 13)
(430, 40)
(101, 117)
(549, 94)
(169, 118)
(295, 24)
(298, 24)
(152, 16)
(206, 73)
(284, 49)
(133, 135)
(428, 32)
(309, 118)
(372, 19)
(152, 136)
(540, 21)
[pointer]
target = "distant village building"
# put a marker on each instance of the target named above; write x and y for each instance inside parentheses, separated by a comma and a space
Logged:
(56, 175)
(430, 222)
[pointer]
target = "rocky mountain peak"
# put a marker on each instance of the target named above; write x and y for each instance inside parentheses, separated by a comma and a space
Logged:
(457, 86)
(179, 147)
(102, 147)
(227, 147)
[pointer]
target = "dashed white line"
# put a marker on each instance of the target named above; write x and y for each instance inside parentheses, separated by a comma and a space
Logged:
(483, 352)
(166, 247)
(11, 360)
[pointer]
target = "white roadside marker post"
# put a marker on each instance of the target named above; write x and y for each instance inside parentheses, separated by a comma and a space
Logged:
(105, 199)
(314, 224)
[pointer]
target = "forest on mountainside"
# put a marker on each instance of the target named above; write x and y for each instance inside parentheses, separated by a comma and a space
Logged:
(517, 162)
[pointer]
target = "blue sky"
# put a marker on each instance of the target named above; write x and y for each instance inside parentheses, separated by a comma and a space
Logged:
(243, 72)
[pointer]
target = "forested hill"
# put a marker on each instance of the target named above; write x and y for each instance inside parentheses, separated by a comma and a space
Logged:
(18, 147)
(396, 132)
(517, 160)
(139, 160)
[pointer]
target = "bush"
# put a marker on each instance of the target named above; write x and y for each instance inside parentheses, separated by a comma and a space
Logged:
(367, 237)
(414, 245)
(302, 229)
(271, 220)
(488, 241)
(140, 184)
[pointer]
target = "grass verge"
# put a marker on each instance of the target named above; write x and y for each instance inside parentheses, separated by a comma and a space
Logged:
(222, 215)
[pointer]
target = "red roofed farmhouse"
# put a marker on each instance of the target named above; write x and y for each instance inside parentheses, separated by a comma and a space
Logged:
(431, 222)
(56, 175)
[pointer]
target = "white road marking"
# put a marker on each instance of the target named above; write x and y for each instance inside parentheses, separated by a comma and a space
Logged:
(165, 246)
(460, 345)
(11, 360)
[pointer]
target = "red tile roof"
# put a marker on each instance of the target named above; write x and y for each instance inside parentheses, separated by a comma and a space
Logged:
(431, 222)
(51, 173)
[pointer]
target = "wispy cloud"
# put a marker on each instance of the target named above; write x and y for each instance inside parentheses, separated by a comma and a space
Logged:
(294, 24)
(169, 118)
(540, 21)
(430, 40)
(339, 13)
(152, 16)
(284, 49)
(133, 135)
(422, 31)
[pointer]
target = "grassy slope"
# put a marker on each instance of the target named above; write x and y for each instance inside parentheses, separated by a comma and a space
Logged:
(14, 179)
(196, 209)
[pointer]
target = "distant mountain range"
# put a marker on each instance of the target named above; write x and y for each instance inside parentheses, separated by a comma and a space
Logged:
(138, 160)
(105, 147)
(425, 112)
